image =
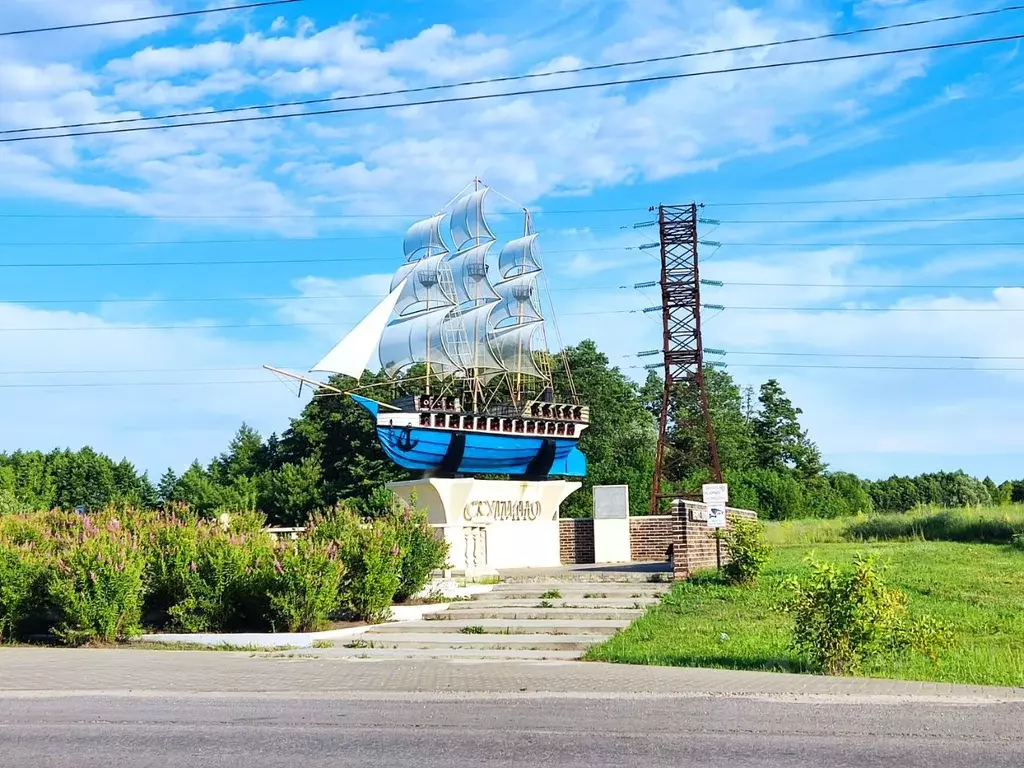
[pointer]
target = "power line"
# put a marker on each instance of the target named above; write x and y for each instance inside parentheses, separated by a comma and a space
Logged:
(245, 262)
(226, 299)
(257, 240)
(876, 367)
(295, 216)
(1016, 244)
(533, 211)
(876, 286)
(206, 326)
(333, 239)
(114, 384)
(871, 221)
(98, 371)
(852, 200)
(876, 309)
(772, 353)
(255, 367)
(212, 241)
(530, 92)
(154, 17)
(528, 76)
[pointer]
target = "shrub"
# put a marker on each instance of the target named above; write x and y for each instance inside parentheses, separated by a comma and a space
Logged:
(1017, 542)
(227, 586)
(843, 619)
(962, 525)
(173, 548)
(372, 571)
(748, 551)
(23, 529)
(381, 503)
(22, 568)
(421, 552)
(306, 588)
(336, 525)
(97, 585)
(9, 503)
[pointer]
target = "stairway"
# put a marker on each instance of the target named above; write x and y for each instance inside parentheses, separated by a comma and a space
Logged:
(553, 619)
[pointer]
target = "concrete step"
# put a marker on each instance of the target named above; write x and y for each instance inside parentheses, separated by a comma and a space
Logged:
(449, 654)
(567, 601)
(604, 592)
(573, 626)
(590, 577)
(529, 612)
(434, 641)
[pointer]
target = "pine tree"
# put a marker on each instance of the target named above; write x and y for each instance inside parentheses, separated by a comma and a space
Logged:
(779, 441)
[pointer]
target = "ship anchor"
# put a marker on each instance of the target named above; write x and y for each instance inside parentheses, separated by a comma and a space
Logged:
(405, 442)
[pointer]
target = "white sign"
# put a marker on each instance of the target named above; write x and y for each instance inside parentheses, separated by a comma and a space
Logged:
(716, 516)
(716, 493)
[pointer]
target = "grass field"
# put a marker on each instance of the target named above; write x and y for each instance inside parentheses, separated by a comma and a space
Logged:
(976, 589)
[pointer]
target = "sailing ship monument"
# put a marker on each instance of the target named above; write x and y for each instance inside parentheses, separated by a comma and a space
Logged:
(488, 405)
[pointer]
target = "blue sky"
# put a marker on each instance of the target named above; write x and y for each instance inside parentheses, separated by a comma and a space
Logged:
(944, 123)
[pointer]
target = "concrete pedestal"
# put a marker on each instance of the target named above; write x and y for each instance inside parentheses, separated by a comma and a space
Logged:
(492, 524)
(611, 524)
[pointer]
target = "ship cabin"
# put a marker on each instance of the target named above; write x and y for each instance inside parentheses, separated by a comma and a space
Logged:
(537, 418)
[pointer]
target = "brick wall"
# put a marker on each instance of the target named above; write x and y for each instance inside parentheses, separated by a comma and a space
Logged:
(650, 538)
(576, 540)
(694, 547)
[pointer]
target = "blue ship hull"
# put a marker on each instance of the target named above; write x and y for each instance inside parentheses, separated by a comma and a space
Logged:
(447, 451)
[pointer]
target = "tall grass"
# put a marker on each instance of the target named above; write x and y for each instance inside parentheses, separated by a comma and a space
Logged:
(975, 525)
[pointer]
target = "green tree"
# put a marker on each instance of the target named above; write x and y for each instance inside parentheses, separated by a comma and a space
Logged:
(291, 493)
(341, 436)
(993, 490)
(619, 443)
(779, 441)
(167, 486)
(244, 458)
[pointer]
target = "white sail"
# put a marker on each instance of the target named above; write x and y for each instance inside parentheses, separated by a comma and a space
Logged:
(468, 223)
(424, 238)
(417, 339)
(513, 348)
(479, 357)
(518, 299)
(352, 354)
(518, 256)
(469, 274)
(423, 286)
(443, 308)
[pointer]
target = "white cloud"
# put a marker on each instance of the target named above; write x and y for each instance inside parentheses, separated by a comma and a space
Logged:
(152, 423)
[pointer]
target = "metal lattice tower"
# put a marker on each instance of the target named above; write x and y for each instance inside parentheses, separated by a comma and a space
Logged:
(682, 347)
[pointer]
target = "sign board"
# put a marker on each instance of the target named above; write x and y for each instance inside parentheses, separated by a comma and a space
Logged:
(698, 514)
(716, 493)
(716, 496)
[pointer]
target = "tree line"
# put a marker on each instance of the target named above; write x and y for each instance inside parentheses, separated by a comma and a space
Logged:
(330, 453)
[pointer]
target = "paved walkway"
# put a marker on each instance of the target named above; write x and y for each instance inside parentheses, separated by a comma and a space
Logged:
(35, 672)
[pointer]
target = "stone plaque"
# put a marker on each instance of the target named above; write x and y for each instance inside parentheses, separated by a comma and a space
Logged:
(611, 502)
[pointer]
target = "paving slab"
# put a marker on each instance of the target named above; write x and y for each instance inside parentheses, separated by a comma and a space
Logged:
(520, 613)
(574, 626)
(567, 601)
(441, 654)
(614, 591)
(497, 641)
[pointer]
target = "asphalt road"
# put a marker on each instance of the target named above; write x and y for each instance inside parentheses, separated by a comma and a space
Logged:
(290, 730)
